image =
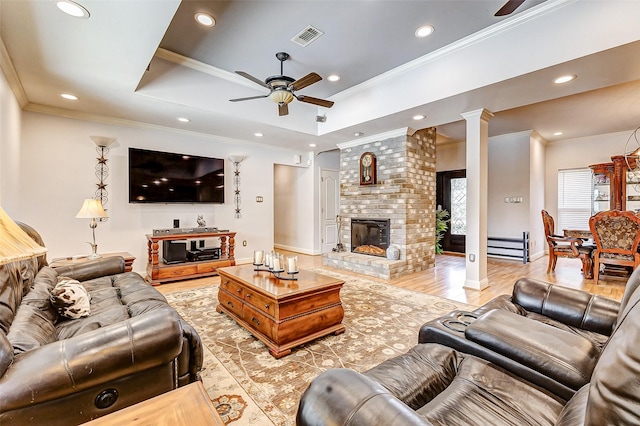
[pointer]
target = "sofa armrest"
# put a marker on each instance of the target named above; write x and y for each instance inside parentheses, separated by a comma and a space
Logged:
(106, 354)
(345, 397)
(571, 306)
(93, 268)
(565, 357)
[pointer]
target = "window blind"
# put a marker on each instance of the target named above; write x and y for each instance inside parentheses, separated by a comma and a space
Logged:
(574, 199)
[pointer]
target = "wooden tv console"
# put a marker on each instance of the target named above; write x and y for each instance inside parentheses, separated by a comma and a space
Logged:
(159, 272)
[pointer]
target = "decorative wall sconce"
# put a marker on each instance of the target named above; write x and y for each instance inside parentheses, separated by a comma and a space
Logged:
(102, 169)
(236, 160)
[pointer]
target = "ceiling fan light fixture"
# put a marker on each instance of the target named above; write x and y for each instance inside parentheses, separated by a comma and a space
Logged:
(205, 19)
(281, 96)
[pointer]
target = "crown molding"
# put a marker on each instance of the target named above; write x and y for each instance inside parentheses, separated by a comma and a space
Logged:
(12, 76)
(484, 34)
(196, 65)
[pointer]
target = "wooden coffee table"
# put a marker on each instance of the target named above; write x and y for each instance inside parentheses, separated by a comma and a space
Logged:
(282, 314)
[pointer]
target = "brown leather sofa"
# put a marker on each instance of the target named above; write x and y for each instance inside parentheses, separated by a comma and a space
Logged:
(434, 384)
(55, 370)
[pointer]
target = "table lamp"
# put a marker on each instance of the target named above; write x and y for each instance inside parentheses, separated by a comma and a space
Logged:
(92, 209)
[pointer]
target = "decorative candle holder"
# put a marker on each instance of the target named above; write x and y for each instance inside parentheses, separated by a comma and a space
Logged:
(291, 277)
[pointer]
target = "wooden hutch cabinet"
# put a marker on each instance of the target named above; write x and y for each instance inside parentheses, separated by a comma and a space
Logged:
(615, 187)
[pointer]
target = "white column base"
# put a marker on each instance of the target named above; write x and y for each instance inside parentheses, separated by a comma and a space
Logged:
(476, 285)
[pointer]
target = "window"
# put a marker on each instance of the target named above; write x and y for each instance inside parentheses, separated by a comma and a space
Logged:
(459, 206)
(574, 199)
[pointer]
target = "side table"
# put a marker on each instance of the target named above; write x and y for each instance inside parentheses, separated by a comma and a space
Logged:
(187, 405)
(128, 260)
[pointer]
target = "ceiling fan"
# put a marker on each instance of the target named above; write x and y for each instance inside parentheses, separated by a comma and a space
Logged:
(509, 7)
(282, 88)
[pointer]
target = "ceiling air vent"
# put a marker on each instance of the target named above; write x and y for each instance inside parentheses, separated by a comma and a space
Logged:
(306, 36)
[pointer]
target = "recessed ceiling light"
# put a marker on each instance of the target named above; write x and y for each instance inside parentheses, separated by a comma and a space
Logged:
(424, 31)
(73, 9)
(183, 119)
(205, 19)
(564, 79)
(258, 135)
(312, 145)
(69, 96)
(557, 134)
(419, 117)
(333, 77)
(358, 134)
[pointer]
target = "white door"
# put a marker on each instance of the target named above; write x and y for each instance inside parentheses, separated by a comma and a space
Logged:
(329, 209)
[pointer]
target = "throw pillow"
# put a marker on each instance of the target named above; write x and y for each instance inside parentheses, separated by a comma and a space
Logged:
(70, 298)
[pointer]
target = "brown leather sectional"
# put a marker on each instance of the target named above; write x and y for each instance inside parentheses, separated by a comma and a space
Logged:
(546, 355)
(55, 370)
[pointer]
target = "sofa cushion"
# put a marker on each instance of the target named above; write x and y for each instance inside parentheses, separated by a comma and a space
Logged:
(70, 298)
(34, 321)
(15, 280)
(31, 329)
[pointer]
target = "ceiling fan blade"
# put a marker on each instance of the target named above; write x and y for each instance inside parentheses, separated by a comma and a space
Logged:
(283, 109)
(249, 98)
(315, 101)
(509, 7)
(305, 81)
(252, 78)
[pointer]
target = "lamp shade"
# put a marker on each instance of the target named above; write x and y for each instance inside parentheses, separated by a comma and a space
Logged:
(91, 208)
(102, 140)
(15, 244)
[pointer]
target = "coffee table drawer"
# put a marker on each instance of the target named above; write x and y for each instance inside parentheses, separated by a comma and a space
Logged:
(258, 321)
(232, 287)
(260, 302)
(230, 302)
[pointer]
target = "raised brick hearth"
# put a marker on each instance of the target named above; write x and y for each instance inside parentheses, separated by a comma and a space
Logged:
(405, 194)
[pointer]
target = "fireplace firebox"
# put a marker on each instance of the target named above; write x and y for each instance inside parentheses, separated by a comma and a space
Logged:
(370, 236)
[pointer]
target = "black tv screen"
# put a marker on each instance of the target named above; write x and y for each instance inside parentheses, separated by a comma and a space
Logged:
(163, 177)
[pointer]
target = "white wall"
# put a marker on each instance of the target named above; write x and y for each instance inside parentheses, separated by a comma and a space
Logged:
(10, 116)
(537, 193)
(57, 171)
(509, 169)
(451, 156)
(578, 153)
(293, 208)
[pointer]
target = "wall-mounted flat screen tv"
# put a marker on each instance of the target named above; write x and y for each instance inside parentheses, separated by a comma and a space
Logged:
(164, 177)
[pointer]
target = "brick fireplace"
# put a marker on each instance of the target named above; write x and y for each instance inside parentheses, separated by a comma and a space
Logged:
(405, 194)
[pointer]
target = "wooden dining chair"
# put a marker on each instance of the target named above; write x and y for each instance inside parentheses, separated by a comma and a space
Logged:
(617, 236)
(560, 246)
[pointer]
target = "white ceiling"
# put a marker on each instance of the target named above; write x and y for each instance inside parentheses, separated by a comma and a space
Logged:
(147, 62)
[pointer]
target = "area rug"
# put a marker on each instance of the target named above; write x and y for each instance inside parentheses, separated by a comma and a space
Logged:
(381, 321)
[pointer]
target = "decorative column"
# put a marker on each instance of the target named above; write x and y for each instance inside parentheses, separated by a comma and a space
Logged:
(477, 186)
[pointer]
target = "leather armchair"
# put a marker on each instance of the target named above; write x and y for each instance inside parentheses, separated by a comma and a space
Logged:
(445, 386)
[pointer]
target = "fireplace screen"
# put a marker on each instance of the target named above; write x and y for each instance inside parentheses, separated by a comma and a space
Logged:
(370, 236)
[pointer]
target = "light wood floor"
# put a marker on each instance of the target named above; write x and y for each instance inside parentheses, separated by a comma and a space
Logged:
(447, 278)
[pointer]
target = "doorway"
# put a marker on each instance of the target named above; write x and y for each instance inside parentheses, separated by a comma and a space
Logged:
(329, 209)
(451, 195)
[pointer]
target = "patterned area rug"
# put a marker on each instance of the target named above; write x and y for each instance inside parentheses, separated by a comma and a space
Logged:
(381, 321)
